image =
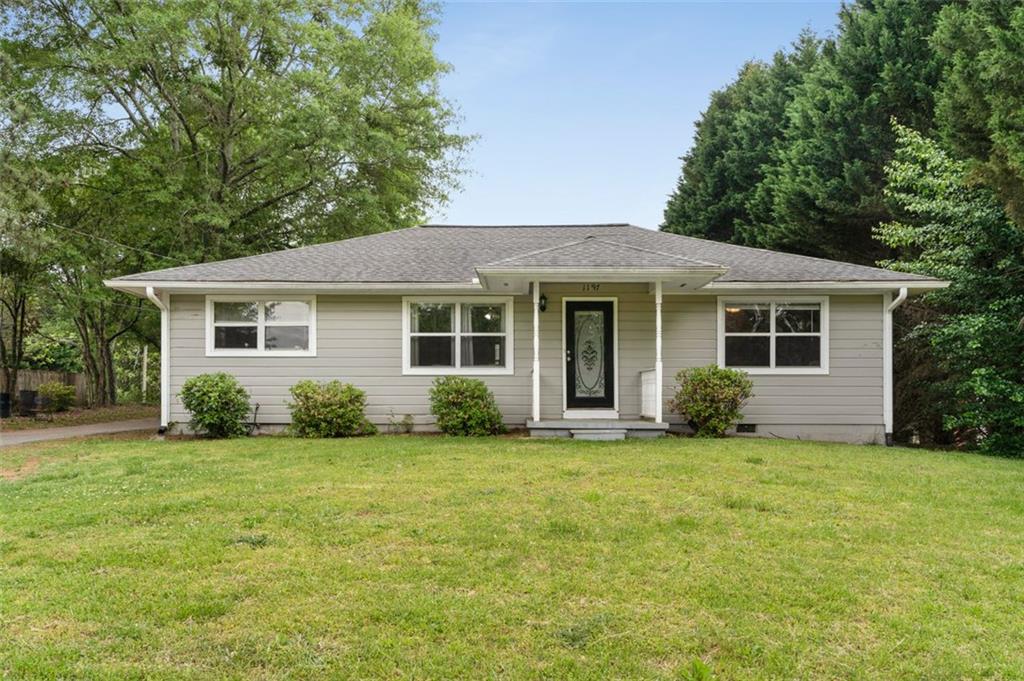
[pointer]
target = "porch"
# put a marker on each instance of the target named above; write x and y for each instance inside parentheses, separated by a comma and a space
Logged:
(590, 371)
(597, 370)
(596, 367)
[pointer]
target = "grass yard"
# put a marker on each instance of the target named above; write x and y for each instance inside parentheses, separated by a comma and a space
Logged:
(80, 416)
(425, 557)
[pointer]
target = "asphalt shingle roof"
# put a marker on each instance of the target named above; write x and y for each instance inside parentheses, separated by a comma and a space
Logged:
(451, 254)
(594, 252)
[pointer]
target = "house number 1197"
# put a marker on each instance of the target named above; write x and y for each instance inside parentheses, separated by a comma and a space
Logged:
(591, 288)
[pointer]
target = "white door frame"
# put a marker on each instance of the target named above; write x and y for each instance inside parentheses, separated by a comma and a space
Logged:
(593, 413)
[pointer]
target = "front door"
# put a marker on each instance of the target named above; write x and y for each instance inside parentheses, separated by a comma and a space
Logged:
(589, 354)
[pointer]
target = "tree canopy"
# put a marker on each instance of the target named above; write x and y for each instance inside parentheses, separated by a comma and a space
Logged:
(826, 173)
(181, 132)
(980, 104)
(737, 138)
(816, 183)
(231, 128)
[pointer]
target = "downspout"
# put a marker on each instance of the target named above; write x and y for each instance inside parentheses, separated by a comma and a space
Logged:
(165, 357)
(535, 402)
(889, 305)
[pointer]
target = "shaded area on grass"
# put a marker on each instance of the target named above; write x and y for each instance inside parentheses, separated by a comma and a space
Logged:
(80, 416)
(445, 557)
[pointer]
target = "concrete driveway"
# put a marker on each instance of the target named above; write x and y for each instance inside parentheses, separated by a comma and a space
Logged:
(19, 437)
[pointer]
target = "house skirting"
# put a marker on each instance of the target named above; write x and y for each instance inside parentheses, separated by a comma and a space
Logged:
(850, 434)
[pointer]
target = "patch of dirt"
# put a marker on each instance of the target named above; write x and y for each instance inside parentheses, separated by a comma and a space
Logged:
(25, 469)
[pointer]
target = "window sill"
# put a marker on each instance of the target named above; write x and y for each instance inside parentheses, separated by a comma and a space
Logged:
(783, 371)
(261, 353)
(451, 371)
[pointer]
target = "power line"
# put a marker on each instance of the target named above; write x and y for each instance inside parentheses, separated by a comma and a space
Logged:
(111, 241)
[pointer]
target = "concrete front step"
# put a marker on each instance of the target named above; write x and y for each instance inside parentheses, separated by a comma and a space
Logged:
(570, 427)
(599, 434)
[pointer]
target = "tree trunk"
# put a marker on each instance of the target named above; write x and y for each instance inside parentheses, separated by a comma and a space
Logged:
(98, 352)
(110, 380)
(12, 353)
(89, 361)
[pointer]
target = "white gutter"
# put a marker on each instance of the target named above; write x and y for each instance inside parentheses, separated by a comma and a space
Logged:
(888, 305)
(137, 286)
(925, 284)
(898, 301)
(130, 286)
(162, 303)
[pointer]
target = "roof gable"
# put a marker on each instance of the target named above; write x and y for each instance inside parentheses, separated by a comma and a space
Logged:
(595, 252)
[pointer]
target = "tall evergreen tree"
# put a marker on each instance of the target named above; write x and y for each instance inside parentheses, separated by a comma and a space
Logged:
(735, 138)
(826, 190)
(980, 103)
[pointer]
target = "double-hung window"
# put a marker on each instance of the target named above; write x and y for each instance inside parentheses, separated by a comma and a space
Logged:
(457, 336)
(241, 326)
(774, 335)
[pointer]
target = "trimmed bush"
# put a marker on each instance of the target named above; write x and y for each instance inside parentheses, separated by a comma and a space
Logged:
(464, 406)
(333, 409)
(60, 396)
(218, 403)
(710, 398)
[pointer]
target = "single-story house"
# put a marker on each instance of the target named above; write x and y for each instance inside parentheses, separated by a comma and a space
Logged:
(575, 328)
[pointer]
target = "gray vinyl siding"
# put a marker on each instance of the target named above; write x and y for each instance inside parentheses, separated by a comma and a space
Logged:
(359, 340)
(851, 393)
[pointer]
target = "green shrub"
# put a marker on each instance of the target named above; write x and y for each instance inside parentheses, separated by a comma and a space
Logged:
(710, 398)
(218, 403)
(333, 409)
(60, 396)
(464, 406)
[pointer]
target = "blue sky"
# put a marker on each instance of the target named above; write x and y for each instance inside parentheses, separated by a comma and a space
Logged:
(583, 109)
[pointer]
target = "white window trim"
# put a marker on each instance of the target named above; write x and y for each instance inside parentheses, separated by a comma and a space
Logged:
(508, 369)
(772, 300)
(261, 325)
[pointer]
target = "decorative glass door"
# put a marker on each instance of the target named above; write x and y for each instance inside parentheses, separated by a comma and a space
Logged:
(589, 354)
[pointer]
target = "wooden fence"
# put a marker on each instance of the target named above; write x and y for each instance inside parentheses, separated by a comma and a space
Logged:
(31, 379)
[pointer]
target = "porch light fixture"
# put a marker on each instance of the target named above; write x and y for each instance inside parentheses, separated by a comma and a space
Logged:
(543, 303)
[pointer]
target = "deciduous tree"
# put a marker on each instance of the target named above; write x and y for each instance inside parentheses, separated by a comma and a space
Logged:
(954, 229)
(201, 130)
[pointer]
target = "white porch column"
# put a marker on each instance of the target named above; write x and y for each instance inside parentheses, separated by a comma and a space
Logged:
(536, 351)
(658, 366)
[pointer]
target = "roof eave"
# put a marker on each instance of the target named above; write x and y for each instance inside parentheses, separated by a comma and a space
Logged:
(918, 285)
(622, 274)
(138, 287)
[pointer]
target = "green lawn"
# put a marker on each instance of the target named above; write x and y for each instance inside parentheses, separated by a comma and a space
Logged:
(425, 557)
